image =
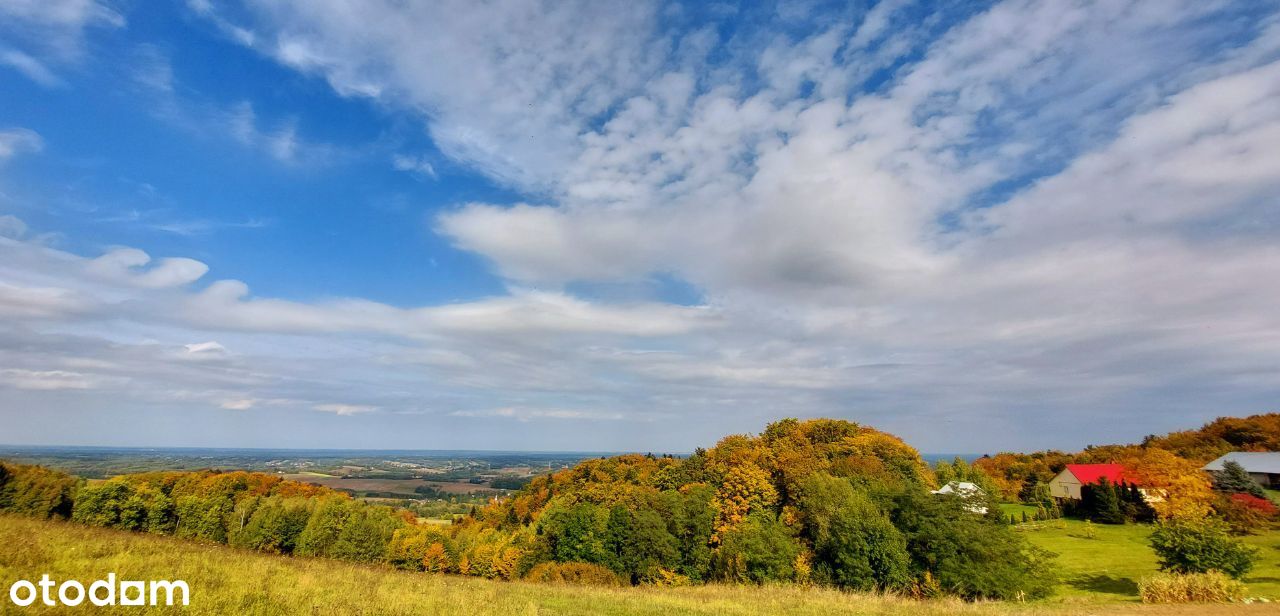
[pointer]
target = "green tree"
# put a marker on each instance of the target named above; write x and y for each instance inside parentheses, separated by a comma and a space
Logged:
(274, 525)
(969, 555)
(1233, 479)
(855, 544)
(1200, 546)
(1100, 502)
(324, 527)
(576, 532)
(760, 550)
(204, 517)
(365, 534)
(640, 543)
(691, 520)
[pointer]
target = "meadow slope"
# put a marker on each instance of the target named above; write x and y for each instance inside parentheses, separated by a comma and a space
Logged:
(230, 581)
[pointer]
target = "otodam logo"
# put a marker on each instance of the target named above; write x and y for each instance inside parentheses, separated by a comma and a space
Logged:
(101, 593)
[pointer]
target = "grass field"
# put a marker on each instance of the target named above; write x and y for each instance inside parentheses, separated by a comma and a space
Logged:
(228, 581)
(1017, 509)
(1108, 567)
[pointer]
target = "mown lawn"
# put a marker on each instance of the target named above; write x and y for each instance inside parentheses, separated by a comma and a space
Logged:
(229, 581)
(1017, 509)
(1108, 567)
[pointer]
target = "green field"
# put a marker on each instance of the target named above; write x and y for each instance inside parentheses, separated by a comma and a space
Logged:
(1108, 567)
(1017, 509)
(228, 581)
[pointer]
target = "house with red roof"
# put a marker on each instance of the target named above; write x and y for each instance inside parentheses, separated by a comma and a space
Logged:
(1067, 484)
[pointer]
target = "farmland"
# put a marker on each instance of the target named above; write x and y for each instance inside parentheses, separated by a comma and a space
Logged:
(401, 488)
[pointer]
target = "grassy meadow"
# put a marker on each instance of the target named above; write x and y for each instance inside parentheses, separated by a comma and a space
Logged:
(229, 581)
(1108, 567)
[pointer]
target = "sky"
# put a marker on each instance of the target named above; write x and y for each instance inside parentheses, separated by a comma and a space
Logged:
(607, 226)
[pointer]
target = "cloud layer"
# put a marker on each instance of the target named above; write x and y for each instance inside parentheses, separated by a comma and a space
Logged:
(1050, 217)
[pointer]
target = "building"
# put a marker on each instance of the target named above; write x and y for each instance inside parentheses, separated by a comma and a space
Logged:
(973, 496)
(1264, 467)
(1067, 484)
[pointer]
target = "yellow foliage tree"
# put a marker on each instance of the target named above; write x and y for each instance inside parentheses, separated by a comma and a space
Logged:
(1179, 489)
(746, 488)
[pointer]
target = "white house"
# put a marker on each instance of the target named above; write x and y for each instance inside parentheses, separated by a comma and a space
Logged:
(967, 491)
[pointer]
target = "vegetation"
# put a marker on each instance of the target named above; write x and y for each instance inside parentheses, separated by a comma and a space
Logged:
(825, 502)
(1212, 587)
(1109, 567)
(1220, 436)
(1201, 546)
(1166, 459)
(816, 503)
(1233, 479)
(229, 581)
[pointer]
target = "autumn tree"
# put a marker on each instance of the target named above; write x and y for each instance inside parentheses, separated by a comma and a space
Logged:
(1179, 489)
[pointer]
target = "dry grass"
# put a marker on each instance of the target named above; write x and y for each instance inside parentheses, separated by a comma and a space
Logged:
(228, 581)
(1212, 587)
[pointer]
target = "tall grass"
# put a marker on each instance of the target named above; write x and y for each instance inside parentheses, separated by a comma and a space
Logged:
(1212, 587)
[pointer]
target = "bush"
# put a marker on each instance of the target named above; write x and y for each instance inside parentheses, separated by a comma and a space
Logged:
(1212, 587)
(1200, 547)
(580, 574)
(1245, 513)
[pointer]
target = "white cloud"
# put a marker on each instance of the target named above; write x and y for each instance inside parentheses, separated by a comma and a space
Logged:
(14, 141)
(528, 414)
(211, 348)
(414, 164)
(45, 380)
(345, 409)
(12, 227)
(49, 32)
(34, 69)
(1041, 214)
(126, 265)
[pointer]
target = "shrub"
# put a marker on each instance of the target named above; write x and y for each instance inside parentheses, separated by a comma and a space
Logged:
(1245, 513)
(581, 574)
(1201, 546)
(1212, 587)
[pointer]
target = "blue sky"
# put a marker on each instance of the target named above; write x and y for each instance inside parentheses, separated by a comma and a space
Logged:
(634, 225)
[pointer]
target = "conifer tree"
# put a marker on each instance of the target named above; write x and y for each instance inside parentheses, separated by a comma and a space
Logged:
(1233, 479)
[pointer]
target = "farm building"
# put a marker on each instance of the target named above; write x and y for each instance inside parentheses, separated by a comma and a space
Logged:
(1264, 467)
(967, 491)
(1067, 483)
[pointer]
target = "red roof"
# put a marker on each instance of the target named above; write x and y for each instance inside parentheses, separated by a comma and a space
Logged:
(1091, 473)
